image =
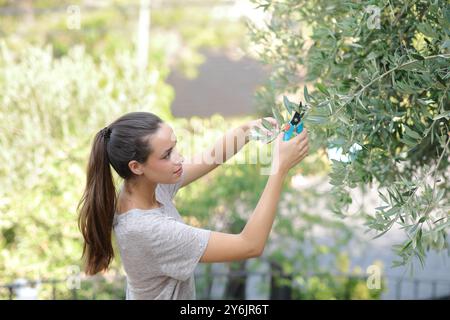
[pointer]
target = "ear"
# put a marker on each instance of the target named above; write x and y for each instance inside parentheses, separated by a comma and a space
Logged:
(135, 167)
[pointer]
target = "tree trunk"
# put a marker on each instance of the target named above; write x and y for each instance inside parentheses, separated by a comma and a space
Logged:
(279, 291)
(237, 280)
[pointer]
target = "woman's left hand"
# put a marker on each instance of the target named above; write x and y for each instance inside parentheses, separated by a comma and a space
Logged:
(258, 123)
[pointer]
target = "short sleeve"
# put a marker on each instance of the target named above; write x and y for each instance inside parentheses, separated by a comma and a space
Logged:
(179, 248)
(172, 189)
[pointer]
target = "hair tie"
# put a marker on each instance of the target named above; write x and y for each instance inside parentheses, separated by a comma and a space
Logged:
(106, 132)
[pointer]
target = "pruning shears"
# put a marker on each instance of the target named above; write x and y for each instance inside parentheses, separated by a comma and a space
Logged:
(295, 125)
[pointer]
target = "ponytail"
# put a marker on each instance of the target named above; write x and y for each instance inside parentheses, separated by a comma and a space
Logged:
(124, 140)
(98, 205)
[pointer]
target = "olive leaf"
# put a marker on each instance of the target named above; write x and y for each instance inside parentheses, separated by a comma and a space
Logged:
(289, 105)
(322, 89)
(277, 115)
(306, 95)
(412, 134)
(266, 124)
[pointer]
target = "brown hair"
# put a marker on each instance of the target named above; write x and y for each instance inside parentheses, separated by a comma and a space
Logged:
(124, 140)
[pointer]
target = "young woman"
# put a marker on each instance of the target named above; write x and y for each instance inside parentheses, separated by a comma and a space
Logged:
(159, 252)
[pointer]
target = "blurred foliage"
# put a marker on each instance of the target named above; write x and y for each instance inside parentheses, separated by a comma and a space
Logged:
(50, 110)
(349, 285)
(95, 288)
(177, 32)
(381, 94)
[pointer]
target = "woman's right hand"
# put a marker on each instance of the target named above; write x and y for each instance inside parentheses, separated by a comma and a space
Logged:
(290, 153)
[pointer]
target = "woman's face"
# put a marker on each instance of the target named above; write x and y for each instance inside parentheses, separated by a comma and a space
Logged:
(162, 164)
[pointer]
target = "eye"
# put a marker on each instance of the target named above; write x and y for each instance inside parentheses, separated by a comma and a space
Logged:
(168, 155)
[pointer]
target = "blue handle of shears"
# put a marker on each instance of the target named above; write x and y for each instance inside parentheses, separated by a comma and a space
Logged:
(288, 134)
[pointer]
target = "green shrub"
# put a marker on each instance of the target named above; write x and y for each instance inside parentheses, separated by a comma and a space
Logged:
(50, 110)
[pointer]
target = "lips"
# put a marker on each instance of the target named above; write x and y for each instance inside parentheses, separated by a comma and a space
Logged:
(179, 170)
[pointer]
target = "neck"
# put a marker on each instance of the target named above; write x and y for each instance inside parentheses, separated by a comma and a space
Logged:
(138, 193)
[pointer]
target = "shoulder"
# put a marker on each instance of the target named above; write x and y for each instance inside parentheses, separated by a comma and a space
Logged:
(137, 220)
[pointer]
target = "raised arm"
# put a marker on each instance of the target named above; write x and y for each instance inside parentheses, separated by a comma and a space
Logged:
(223, 247)
(224, 148)
(250, 242)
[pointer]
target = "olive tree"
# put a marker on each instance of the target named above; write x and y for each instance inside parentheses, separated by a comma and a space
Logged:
(377, 73)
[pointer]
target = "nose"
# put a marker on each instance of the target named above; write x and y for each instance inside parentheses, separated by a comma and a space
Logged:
(179, 159)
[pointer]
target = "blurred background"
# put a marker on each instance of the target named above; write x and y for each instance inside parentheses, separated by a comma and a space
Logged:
(68, 68)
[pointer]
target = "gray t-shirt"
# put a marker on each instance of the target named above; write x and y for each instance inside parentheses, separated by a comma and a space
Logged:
(159, 251)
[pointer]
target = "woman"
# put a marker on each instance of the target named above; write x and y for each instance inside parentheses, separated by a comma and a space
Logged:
(159, 252)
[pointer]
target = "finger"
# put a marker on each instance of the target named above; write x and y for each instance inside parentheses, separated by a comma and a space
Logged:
(304, 155)
(303, 146)
(301, 156)
(304, 132)
(265, 131)
(272, 121)
(304, 141)
(304, 149)
(300, 137)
